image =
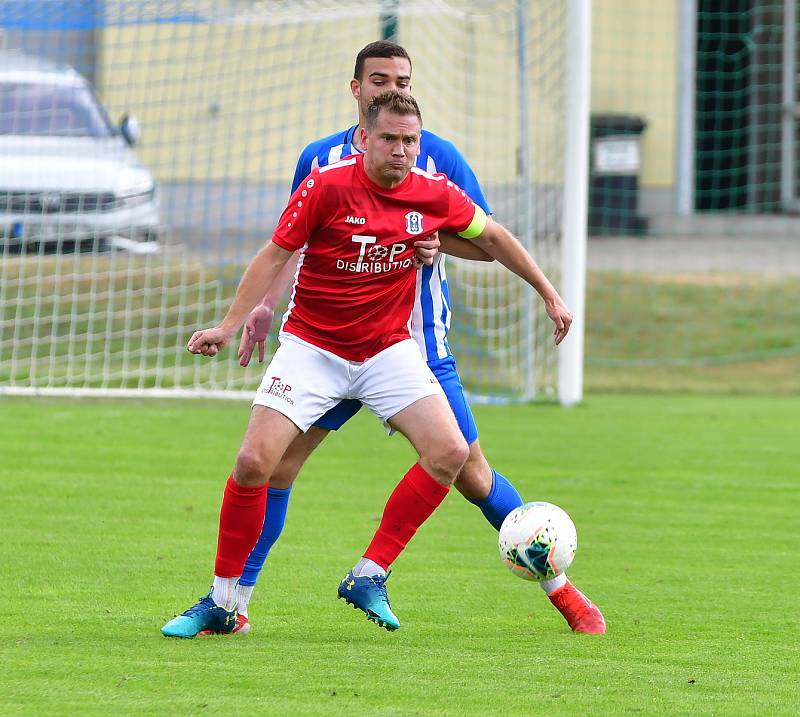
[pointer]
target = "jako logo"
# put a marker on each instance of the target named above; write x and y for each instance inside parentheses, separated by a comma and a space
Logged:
(355, 220)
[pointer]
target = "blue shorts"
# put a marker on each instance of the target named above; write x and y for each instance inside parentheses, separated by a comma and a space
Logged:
(447, 375)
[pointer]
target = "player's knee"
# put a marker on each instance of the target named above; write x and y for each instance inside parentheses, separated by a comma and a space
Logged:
(460, 454)
(449, 456)
(251, 468)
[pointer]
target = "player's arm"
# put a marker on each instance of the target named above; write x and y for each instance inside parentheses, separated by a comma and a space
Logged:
(427, 249)
(262, 271)
(259, 322)
(454, 245)
(502, 245)
(450, 162)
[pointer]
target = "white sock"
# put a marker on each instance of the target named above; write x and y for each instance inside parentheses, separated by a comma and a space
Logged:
(243, 594)
(550, 586)
(223, 592)
(365, 566)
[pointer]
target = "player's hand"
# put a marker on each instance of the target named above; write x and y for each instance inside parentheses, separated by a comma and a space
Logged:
(209, 342)
(561, 316)
(425, 250)
(255, 331)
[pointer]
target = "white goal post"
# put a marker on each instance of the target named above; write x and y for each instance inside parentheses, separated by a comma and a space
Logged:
(114, 247)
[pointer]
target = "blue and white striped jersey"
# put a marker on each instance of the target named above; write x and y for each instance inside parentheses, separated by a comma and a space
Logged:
(430, 320)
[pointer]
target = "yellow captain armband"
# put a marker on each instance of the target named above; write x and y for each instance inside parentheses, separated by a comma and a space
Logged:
(476, 226)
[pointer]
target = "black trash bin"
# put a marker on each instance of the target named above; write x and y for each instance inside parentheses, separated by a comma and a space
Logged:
(614, 175)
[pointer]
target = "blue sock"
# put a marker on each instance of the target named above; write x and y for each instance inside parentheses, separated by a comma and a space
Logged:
(502, 499)
(277, 505)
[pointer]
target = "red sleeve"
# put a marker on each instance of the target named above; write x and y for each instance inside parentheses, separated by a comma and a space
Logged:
(301, 215)
(461, 209)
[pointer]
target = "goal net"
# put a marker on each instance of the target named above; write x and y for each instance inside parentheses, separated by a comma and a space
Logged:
(115, 247)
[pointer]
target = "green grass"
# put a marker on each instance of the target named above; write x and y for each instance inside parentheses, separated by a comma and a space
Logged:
(705, 333)
(687, 521)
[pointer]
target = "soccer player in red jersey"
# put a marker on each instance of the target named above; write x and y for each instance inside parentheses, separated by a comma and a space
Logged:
(345, 335)
(382, 66)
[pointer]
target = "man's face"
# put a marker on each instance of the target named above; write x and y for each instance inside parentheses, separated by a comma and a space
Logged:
(392, 147)
(381, 74)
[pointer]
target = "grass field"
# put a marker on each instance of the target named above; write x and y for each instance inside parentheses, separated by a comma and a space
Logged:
(686, 510)
(692, 332)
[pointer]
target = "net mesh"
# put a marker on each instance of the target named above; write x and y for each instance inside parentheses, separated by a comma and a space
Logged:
(226, 94)
(113, 255)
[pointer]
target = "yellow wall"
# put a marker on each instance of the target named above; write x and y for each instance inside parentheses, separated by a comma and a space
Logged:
(634, 63)
(239, 99)
(453, 77)
(233, 100)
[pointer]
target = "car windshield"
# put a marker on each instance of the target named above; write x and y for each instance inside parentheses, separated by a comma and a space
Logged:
(28, 108)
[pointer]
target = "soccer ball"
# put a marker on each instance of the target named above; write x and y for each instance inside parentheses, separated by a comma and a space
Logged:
(538, 541)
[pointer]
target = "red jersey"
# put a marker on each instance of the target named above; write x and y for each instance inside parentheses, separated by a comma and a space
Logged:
(354, 289)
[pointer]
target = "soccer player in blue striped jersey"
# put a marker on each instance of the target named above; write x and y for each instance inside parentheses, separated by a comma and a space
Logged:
(382, 66)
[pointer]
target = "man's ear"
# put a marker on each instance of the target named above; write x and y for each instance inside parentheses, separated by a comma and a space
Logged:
(355, 88)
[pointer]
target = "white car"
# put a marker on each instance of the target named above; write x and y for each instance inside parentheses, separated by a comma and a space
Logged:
(68, 176)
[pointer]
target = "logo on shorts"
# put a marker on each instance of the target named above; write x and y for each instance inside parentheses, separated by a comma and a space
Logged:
(414, 223)
(279, 389)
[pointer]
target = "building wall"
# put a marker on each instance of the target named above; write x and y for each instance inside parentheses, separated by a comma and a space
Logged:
(239, 99)
(236, 101)
(634, 71)
(229, 100)
(251, 86)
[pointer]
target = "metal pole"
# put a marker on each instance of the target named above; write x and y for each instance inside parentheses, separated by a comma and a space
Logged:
(791, 110)
(388, 19)
(524, 195)
(576, 176)
(685, 144)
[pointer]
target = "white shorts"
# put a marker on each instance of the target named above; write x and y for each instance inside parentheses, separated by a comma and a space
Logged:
(303, 382)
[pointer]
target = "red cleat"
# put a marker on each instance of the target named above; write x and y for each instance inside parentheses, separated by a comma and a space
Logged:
(242, 628)
(581, 614)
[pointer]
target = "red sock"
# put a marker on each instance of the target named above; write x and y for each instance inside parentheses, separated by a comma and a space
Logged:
(409, 506)
(241, 519)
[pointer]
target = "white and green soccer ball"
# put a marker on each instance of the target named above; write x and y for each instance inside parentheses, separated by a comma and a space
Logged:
(538, 541)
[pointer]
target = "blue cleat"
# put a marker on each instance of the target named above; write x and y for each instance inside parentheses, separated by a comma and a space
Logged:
(368, 593)
(204, 615)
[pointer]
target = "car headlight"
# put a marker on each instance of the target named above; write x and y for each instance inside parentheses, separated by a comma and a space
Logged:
(135, 199)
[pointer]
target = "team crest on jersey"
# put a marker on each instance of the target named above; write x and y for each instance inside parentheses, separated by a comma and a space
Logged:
(414, 223)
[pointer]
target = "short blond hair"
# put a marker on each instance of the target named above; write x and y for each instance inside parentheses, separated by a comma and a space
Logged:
(394, 102)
